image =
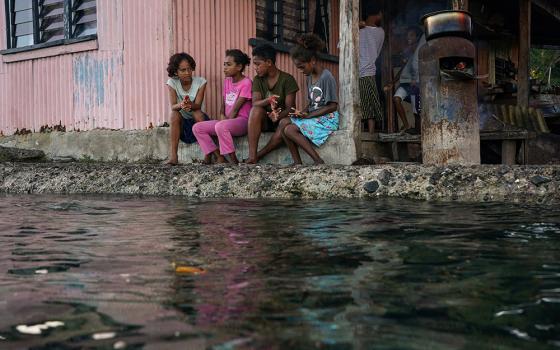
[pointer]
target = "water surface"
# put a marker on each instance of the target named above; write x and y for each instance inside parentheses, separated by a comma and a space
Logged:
(278, 274)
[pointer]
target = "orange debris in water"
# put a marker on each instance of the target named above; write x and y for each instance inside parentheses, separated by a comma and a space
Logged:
(190, 269)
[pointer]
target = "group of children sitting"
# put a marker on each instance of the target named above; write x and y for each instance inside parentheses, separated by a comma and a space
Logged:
(248, 107)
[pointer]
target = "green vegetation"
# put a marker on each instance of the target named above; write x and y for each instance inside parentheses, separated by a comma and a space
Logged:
(545, 66)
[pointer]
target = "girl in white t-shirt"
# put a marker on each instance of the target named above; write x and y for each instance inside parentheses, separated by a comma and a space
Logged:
(186, 99)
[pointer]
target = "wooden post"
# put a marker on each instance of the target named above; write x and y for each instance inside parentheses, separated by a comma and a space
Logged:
(349, 73)
(524, 48)
(462, 5)
(509, 152)
(388, 70)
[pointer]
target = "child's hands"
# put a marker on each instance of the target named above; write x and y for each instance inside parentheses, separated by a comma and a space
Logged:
(186, 105)
(275, 114)
(298, 114)
(273, 101)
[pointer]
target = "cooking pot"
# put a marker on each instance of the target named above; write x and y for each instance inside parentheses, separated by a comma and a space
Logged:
(447, 23)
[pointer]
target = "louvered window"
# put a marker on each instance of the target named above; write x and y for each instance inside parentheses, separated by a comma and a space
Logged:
(33, 22)
(84, 18)
(280, 21)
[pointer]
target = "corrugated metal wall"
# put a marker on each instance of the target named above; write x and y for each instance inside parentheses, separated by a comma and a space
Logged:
(122, 84)
(147, 46)
(207, 28)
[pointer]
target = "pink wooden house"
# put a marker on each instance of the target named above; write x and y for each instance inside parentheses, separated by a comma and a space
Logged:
(101, 63)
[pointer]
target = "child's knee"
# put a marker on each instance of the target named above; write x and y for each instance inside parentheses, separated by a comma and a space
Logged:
(284, 122)
(291, 130)
(257, 113)
(221, 127)
(198, 116)
(175, 117)
(196, 129)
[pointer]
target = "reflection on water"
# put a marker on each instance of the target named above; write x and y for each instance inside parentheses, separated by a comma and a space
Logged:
(279, 274)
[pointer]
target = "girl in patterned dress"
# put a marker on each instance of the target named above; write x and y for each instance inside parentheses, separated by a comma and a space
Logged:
(319, 120)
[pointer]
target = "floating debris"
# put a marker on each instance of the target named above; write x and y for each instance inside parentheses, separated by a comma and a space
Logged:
(38, 328)
(544, 327)
(190, 270)
(509, 312)
(2, 338)
(119, 345)
(41, 272)
(520, 334)
(104, 336)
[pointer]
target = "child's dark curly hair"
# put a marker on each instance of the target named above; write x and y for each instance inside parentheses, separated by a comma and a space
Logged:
(175, 61)
(266, 52)
(239, 57)
(308, 47)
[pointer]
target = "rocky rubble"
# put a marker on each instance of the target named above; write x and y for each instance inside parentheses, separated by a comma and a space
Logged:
(530, 184)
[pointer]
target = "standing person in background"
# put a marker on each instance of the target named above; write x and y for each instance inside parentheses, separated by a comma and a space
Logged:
(372, 37)
(408, 81)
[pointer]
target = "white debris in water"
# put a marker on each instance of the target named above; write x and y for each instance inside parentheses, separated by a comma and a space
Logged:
(119, 345)
(520, 334)
(103, 336)
(41, 272)
(126, 277)
(509, 312)
(544, 327)
(38, 328)
(54, 324)
(2, 338)
(551, 300)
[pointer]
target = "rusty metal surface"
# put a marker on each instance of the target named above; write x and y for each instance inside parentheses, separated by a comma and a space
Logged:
(450, 120)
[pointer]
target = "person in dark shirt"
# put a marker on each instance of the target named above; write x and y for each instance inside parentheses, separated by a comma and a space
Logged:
(274, 95)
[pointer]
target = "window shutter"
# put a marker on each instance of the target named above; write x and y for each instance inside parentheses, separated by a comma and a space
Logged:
(295, 12)
(22, 23)
(84, 18)
(51, 20)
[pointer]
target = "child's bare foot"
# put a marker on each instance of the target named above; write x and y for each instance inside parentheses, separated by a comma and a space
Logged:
(171, 161)
(233, 158)
(207, 159)
(296, 163)
(319, 162)
(221, 160)
(250, 161)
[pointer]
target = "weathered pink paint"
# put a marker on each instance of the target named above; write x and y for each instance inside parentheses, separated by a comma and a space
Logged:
(119, 80)
(147, 45)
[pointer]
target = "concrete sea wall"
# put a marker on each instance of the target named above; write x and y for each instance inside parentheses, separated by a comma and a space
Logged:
(152, 146)
(465, 184)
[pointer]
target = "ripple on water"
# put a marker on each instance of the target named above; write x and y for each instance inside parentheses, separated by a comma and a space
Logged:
(328, 274)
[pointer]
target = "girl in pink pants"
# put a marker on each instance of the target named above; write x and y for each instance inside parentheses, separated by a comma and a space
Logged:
(234, 114)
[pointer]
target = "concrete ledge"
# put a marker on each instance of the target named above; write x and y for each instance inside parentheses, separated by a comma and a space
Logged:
(465, 184)
(152, 145)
